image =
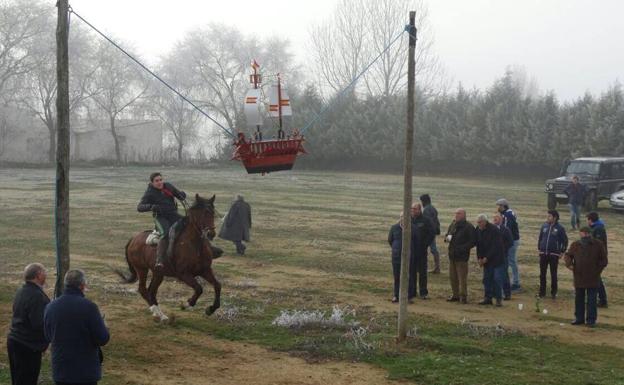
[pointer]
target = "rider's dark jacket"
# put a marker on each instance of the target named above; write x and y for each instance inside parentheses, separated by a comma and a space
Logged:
(164, 200)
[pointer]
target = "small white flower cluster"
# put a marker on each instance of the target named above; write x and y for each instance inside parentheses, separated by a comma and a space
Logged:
(486, 331)
(357, 336)
(246, 283)
(304, 318)
(229, 314)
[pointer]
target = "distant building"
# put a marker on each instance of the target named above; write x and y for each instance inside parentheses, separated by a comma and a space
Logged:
(25, 139)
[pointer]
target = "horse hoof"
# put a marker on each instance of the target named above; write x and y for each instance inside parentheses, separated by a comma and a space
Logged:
(210, 310)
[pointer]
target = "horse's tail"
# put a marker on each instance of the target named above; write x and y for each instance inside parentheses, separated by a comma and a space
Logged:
(132, 278)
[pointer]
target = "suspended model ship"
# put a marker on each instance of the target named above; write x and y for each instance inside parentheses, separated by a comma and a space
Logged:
(278, 153)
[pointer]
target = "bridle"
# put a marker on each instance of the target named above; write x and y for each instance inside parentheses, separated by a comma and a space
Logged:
(204, 231)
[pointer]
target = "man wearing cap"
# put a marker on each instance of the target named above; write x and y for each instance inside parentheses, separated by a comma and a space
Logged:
(511, 222)
(586, 258)
(430, 212)
(551, 244)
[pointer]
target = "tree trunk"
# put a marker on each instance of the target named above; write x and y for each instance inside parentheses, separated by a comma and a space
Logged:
(115, 139)
(180, 148)
(52, 146)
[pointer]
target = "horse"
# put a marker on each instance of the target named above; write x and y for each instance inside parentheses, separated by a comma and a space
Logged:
(192, 258)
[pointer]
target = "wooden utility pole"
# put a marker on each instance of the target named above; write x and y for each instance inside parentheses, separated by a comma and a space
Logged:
(61, 209)
(407, 181)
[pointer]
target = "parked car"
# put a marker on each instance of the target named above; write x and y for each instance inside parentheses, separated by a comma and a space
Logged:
(602, 175)
(617, 200)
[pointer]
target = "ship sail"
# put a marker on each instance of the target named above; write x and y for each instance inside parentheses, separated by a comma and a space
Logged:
(275, 94)
(253, 107)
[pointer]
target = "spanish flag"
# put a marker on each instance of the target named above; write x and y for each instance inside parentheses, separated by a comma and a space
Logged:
(255, 65)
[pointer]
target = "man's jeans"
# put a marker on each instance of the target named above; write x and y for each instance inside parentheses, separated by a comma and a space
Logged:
(513, 262)
(546, 261)
(602, 293)
(575, 215)
(506, 281)
(579, 301)
(493, 281)
(436, 254)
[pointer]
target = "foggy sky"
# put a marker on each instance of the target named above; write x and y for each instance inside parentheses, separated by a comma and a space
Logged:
(569, 46)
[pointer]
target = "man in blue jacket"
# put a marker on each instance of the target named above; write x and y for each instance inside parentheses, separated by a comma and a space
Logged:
(76, 330)
(599, 232)
(490, 255)
(511, 222)
(552, 243)
(395, 240)
(507, 243)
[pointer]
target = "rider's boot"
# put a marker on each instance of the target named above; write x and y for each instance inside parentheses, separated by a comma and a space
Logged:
(161, 253)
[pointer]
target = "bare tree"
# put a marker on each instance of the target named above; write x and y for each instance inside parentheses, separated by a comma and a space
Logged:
(21, 29)
(359, 31)
(117, 85)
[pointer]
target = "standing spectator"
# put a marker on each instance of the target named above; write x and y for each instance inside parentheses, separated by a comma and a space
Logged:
(490, 255)
(76, 330)
(586, 258)
(507, 243)
(599, 232)
(430, 212)
(576, 196)
(424, 235)
(395, 239)
(237, 224)
(551, 244)
(26, 341)
(461, 239)
(511, 222)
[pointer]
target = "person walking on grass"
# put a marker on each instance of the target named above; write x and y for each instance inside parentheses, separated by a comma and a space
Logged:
(425, 235)
(599, 232)
(511, 222)
(76, 330)
(26, 342)
(497, 219)
(430, 212)
(460, 237)
(576, 192)
(237, 224)
(586, 258)
(490, 256)
(551, 244)
(395, 240)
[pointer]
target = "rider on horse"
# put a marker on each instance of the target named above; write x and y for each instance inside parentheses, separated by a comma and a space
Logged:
(159, 198)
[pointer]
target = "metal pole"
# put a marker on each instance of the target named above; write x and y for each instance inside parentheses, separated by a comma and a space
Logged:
(407, 183)
(61, 209)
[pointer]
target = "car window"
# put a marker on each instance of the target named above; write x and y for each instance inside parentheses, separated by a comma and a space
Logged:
(580, 167)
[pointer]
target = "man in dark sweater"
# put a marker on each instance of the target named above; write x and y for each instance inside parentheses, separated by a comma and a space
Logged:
(490, 255)
(425, 234)
(395, 240)
(599, 232)
(26, 342)
(159, 198)
(76, 330)
(576, 196)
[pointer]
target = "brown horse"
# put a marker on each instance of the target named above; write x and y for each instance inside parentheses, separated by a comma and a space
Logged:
(192, 258)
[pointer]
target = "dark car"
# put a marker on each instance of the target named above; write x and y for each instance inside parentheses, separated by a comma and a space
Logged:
(601, 175)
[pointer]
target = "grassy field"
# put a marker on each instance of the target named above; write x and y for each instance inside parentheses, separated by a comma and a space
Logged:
(318, 241)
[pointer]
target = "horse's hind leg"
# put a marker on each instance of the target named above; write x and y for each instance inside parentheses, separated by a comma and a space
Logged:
(209, 276)
(198, 290)
(157, 279)
(142, 274)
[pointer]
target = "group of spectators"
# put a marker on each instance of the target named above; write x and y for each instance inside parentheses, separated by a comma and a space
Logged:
(496, 245)
(71, 323)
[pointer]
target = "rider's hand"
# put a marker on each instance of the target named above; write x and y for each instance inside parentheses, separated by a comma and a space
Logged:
(155, 208)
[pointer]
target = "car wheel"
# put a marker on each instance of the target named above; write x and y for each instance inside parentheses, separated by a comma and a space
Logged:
(591, 202)
(552, 202)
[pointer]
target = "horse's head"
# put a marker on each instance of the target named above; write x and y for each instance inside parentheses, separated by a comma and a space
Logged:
(201, 215)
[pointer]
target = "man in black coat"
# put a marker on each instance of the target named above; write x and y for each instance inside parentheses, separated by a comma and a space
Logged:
(159, 198)
(490, 255)
(461, 239)
(395, 240)
(425, 234)
(75, 328)
(498, 221)
(26, 342)
(237, 224)
(599, 232)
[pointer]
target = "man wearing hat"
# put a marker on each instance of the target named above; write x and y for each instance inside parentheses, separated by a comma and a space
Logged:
(511, 222)
(586, 258)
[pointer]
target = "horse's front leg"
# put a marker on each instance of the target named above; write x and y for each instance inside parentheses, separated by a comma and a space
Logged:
(209, 276)
(192, 282)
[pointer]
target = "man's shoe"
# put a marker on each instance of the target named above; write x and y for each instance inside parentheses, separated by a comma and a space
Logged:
(553, 296)
(516, 288)
(507, 298)
(463, 300)
(577, 322)
(395, 300)
(591, 325)
(424, 296)
(435, 271)
(499, 303)
(541, 295)
(485, 302)
(603, 305)
(452, 299)
(410, 300)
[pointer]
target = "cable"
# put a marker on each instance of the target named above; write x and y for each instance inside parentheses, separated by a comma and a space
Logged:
(227, 130)
(355, 79)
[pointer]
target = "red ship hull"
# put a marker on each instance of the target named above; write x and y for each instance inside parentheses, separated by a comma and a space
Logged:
(268, 156)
